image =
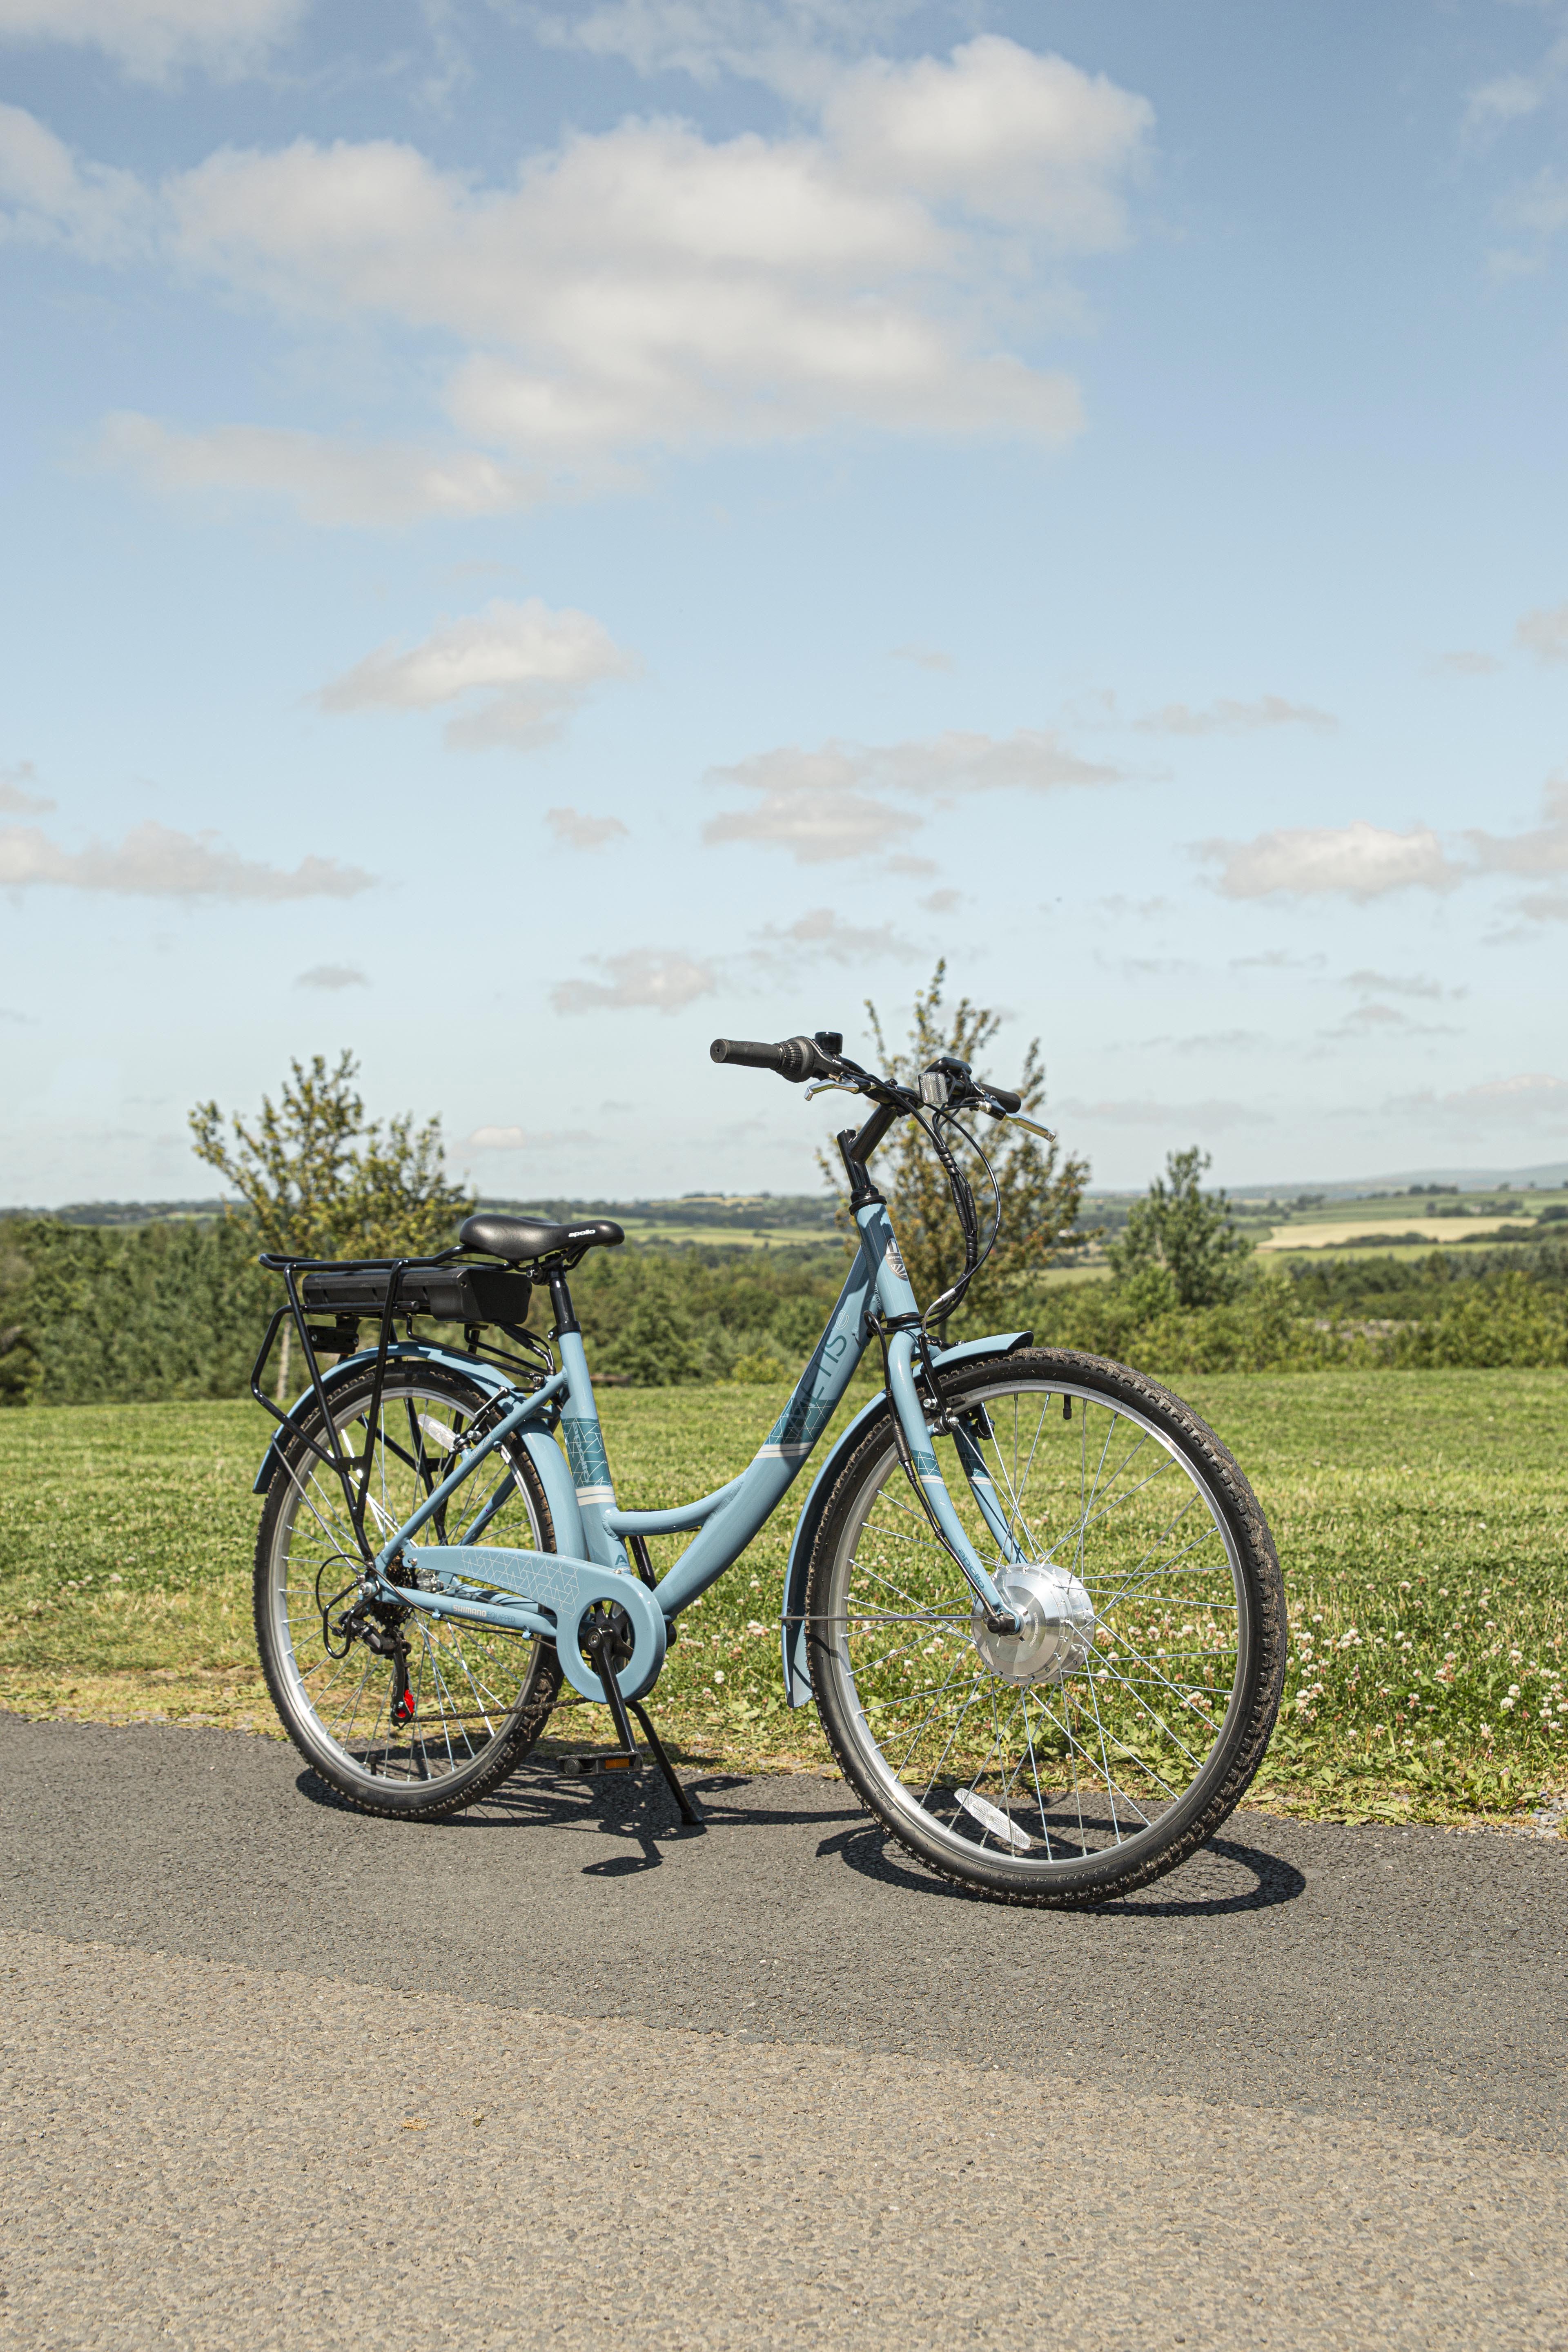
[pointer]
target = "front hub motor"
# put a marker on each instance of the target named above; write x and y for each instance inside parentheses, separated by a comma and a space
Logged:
(1055, 1626)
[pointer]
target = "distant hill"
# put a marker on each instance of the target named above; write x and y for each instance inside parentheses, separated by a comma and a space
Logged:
(711, 1216)
(801, 1217)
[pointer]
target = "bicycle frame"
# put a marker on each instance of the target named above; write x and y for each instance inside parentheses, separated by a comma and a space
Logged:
(548, 1593)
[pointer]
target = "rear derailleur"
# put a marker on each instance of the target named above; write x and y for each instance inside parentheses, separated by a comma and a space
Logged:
(379, 1625)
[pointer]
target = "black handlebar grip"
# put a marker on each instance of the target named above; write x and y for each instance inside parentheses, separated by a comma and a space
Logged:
(742, 1050)
(1006, 1097)
(796, 1059)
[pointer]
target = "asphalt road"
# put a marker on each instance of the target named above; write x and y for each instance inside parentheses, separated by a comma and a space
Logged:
(558, 2073)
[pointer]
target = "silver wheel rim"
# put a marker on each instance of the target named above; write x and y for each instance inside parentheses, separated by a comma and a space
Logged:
(1086, 1752)
(468, 1682)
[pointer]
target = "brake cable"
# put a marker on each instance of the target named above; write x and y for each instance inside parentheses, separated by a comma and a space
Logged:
(963, 1202)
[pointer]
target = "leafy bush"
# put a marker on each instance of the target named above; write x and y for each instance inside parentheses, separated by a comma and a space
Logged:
(1510, 1322)
(101, 1314)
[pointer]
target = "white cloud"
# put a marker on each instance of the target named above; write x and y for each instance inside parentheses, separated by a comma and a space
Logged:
(1372, 1020)
(817, 824)
(153, 862)
(1278, 959)
(646, 288)
(1394, 983)
(1532, 1099)
(1513, 97)
(332, 976)
(1357, 861)
(942, 902)
(48, 199)
(1005, 133)
(1364, 861)
(666, 980)
(328, 481)
(1214, 1041)
(669, 978)
(572, 830)
(154, 38)
(827, 935)
(821, 806)
(1509, 99)
(1209, 1117)
(525, 1139)
(923, 656)
(519, 671)
(1544, 634)
(1542, 850)
(15, 800)
(791, 44)
(1227, 718)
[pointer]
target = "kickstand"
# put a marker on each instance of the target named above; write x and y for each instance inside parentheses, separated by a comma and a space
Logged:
(689, 1810)
(617, 1706)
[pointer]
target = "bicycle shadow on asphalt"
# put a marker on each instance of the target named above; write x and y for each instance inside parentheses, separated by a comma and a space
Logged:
(867, 1849)
(640, 1811)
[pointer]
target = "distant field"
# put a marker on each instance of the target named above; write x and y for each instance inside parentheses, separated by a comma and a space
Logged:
(759, 1236)
(1420, 1518)
(1298, 1234)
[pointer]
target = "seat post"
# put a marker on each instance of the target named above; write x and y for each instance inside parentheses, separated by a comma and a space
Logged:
(561, 1301)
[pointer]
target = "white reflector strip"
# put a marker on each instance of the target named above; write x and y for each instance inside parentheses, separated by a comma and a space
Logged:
(994, 1819)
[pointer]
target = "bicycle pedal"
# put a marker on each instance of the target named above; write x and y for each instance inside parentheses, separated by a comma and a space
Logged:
(615, 1759)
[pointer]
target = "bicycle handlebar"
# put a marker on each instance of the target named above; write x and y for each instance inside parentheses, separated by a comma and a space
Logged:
(799, 1059)
(796, 1058)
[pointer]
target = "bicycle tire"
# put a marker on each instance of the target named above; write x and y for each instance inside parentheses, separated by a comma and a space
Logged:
(994, 1835)
(486, 1696)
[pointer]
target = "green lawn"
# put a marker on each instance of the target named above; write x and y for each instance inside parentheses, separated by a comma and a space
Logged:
(1420, 1518)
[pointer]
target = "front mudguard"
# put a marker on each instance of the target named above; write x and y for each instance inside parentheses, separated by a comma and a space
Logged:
(797, 1668)
(544, 1452)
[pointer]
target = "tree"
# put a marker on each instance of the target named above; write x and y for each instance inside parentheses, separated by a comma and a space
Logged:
(1180, 1247)
(21, 1374)
(1040, 1195)
(321, 1181)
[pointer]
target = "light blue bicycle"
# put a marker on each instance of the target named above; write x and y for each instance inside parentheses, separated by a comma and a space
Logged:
(1032, 1595)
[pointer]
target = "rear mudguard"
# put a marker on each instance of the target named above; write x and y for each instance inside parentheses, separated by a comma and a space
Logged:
(796, 1670)
(546, 1456)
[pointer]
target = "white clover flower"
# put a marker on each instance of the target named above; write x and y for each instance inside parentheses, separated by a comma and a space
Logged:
(719, 1675)
(1513, 1690)
(1506, 1705)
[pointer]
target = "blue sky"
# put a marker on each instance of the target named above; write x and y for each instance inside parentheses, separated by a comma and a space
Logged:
(537, 534)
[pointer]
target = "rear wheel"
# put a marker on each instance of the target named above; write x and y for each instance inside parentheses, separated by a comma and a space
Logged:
(400, 1714)
(1105, 1740)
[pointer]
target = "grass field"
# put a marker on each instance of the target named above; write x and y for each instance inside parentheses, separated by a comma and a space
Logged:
(1420, 1518)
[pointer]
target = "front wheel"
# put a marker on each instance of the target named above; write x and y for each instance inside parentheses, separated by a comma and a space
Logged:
(1105, 1740)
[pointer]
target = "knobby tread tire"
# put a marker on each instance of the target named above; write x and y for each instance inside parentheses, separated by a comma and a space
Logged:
(526, 1725)
(1090, 1883)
